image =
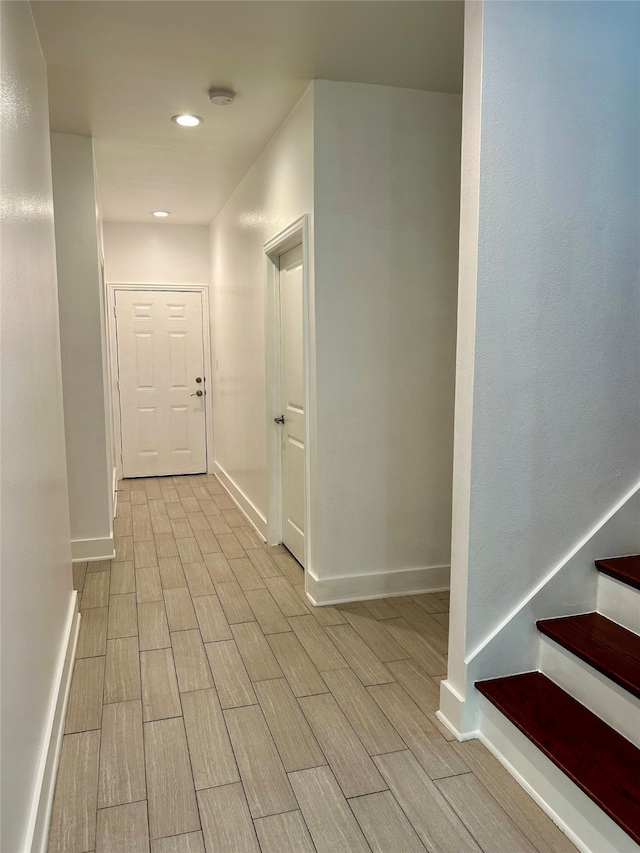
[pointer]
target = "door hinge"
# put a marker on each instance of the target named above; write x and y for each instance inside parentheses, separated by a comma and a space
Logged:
(115, 311)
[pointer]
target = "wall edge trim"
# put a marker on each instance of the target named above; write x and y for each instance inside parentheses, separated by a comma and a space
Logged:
(42, 803)
(244, 504)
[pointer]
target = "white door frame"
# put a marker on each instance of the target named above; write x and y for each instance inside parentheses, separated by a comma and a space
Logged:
(112, 287)
(295, 234)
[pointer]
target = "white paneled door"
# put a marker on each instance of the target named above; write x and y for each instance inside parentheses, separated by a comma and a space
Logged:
(161, 382)
(293, 402)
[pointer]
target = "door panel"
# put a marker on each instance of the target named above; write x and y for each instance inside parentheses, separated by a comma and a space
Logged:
(178, 360)
(160, 351)
(144, 360)
(293, 402)
(294, 483)
(147, 430)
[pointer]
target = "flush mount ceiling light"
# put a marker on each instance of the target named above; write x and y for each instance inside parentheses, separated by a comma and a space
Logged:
(187, 120)
(160, 213)
(221, 97)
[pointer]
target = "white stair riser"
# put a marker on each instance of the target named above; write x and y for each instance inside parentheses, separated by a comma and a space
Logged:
(612, 703)
(619, 602)
(586, 824)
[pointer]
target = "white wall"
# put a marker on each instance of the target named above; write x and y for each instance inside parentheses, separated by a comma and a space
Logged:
(276, 191)
(551, 427)
(384, 166)
(36, 557)
(156, 253)
(387, 176)
(82, 338)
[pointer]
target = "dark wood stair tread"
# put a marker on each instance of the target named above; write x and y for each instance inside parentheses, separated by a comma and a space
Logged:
(609, 648)
(625, 569)
(605, 765)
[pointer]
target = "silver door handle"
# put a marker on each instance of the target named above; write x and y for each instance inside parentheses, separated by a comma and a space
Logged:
(279, 420)
(197, 394)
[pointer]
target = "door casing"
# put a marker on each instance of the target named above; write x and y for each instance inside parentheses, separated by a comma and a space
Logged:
(112, 287)
(295, 234)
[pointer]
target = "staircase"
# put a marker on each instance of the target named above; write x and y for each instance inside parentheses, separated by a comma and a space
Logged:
(582, 709)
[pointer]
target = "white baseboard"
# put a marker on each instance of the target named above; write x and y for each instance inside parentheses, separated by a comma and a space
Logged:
(453, 712)
(40, 816)
(581, 820)
(253, 513)
(89, 550)
(339, 590)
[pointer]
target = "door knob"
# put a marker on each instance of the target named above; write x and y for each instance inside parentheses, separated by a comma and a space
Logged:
(197, 394)
(279, 420)
(198, 379)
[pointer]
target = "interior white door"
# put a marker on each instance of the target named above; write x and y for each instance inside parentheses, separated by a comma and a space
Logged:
(292, 385)
(161, 382)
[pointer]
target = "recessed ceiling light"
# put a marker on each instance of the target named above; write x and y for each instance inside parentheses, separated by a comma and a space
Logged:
(187, 120)
(160, 213)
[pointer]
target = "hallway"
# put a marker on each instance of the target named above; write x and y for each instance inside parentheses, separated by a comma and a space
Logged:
(213, 708)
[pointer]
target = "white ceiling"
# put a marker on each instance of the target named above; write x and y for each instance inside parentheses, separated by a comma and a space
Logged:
(118, 71)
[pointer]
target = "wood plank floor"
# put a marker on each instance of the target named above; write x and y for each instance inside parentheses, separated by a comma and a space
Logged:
(214, 709)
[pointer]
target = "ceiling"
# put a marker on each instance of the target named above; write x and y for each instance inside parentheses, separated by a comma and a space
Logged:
(118, 71)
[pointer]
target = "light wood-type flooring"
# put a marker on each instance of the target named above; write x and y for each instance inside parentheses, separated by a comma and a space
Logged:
(214, 709)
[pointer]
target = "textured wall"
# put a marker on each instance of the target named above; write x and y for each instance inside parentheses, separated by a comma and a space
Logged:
(556, 437)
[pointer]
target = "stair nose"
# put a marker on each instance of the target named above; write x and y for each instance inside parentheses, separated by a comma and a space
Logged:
(606, 646)
(625, 569)
(604, 764)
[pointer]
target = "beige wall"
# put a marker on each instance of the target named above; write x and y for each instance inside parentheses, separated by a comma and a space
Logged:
(37, 597)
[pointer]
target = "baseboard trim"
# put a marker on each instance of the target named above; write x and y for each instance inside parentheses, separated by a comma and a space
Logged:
(340, 590)
(581, 820)
(253, 514)
(90, 550)
(40, 816)
(452, 712)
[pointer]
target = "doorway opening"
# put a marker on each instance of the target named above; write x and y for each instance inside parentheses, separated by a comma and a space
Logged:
(159, 352)
(288, 397)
